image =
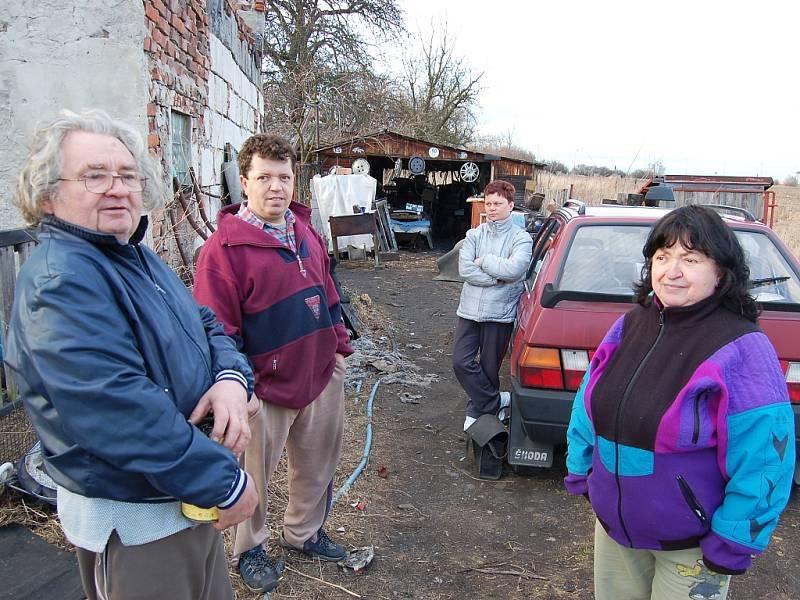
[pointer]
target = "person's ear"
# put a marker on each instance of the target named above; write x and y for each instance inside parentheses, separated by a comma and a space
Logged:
(243, 182)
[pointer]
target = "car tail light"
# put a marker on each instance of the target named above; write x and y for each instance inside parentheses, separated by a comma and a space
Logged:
(793, 381)
(552, 368)
(575, 363)
(540, 368)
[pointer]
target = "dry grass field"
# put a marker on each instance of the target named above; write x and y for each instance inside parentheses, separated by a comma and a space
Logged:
(787, 216)
(593, 190)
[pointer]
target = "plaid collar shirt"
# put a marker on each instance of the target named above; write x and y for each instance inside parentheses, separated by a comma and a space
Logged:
(283, 233)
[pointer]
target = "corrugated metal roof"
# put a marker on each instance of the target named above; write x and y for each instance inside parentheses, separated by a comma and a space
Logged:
(471, 155)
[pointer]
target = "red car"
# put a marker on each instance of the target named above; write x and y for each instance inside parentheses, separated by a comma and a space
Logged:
(585, 260)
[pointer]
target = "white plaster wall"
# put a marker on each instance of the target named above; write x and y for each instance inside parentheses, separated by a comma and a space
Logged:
(55, 54)
(232, 115)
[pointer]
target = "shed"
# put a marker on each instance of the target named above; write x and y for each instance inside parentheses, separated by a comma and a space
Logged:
(434, 179)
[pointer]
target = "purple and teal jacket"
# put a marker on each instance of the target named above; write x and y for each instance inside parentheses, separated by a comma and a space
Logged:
(682, 434)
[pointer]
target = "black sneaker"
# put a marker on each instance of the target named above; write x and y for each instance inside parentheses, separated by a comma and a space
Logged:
(324, 548)
(258, 572)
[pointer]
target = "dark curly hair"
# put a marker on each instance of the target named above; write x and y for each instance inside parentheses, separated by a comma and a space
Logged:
(501, 188)
(701, 229)
(266, 146)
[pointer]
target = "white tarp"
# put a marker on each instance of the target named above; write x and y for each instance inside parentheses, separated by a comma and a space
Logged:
(336, 195)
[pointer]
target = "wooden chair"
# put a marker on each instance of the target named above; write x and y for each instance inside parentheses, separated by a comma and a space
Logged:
(354, 225)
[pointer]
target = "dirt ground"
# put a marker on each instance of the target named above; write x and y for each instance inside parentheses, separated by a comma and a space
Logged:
(439, 532)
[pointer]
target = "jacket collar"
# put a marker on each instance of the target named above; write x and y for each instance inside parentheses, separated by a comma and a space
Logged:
(500, 226)
(92, 236)
(229, 226)
(688, 316)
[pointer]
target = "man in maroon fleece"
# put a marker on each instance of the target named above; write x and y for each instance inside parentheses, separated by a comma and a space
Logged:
(265, 273)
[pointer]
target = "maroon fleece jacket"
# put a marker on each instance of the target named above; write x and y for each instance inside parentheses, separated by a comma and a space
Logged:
(287, 319)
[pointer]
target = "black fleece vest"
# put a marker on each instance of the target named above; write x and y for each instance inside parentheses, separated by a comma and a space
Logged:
(659, 351)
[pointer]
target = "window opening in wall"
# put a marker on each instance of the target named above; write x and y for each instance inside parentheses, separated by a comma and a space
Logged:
(181, 147)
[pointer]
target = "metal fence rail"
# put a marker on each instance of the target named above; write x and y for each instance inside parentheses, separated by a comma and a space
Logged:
(16, 432)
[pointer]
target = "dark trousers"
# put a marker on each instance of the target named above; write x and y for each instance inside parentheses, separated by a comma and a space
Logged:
(478, 352)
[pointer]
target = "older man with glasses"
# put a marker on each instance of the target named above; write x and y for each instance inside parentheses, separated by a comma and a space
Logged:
(116, 363)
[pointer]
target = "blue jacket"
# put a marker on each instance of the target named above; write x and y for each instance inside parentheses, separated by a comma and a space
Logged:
(682, 434)
(491, 291)
(111, 355)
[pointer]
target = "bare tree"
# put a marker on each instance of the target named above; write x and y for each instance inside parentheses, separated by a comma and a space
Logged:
(504, 145)
(441, 92)
(317, 54)
(654, 169)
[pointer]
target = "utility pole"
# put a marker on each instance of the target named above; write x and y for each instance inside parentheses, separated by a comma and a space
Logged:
(316, 112)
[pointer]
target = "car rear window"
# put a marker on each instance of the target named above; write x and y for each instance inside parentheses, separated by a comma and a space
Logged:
(772, 278)
(604, 259)
(608, 259)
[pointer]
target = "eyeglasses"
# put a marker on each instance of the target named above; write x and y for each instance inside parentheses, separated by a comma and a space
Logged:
(101, 182)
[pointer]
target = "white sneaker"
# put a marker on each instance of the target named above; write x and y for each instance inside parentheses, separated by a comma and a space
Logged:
(468, 421)
(505, 403)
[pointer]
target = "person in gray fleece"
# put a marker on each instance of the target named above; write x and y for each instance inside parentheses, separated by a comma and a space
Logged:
(492, 261)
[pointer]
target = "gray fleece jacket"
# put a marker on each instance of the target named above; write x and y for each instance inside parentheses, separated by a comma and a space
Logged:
(491, 291)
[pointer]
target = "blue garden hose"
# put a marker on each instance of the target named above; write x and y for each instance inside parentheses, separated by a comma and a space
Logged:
(367, 447)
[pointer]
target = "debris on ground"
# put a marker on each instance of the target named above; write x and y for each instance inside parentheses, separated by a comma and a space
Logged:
(358, 559)
(384, 365)
(354, 385)
(370, 359)
(407, 398)
(383, 472)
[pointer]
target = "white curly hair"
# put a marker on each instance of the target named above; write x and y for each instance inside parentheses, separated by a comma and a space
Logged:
(38, 178)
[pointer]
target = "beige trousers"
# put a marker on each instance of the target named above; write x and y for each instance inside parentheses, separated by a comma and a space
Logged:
(622, 573)
(313, 440)
(188, 565)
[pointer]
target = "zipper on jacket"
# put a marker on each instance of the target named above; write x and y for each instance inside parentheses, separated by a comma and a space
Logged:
(696, 433)
(303, 271)
(162, 294)
(692, 501)
(620, 411)
(272, 242)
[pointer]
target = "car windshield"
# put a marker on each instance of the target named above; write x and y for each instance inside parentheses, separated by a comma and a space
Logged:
(608, 259)
(604, 259)
(771, 277)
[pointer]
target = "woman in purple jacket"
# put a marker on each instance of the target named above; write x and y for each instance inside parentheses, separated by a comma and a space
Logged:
(682, 436)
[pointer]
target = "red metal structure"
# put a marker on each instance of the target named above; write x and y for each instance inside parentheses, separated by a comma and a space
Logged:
(749, 193)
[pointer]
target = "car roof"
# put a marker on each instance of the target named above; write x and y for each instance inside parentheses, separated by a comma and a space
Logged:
(574, 209)
(610, 210)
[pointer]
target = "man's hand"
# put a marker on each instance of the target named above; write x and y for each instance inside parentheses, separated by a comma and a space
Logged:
(253, 406)
(477, 261)
(341, 361)
(240, 511)
(228, 401)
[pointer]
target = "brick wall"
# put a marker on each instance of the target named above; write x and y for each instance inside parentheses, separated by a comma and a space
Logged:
(177, 49)
(212, 79)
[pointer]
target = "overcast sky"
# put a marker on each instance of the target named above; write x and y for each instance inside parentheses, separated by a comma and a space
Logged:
(704, 86)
